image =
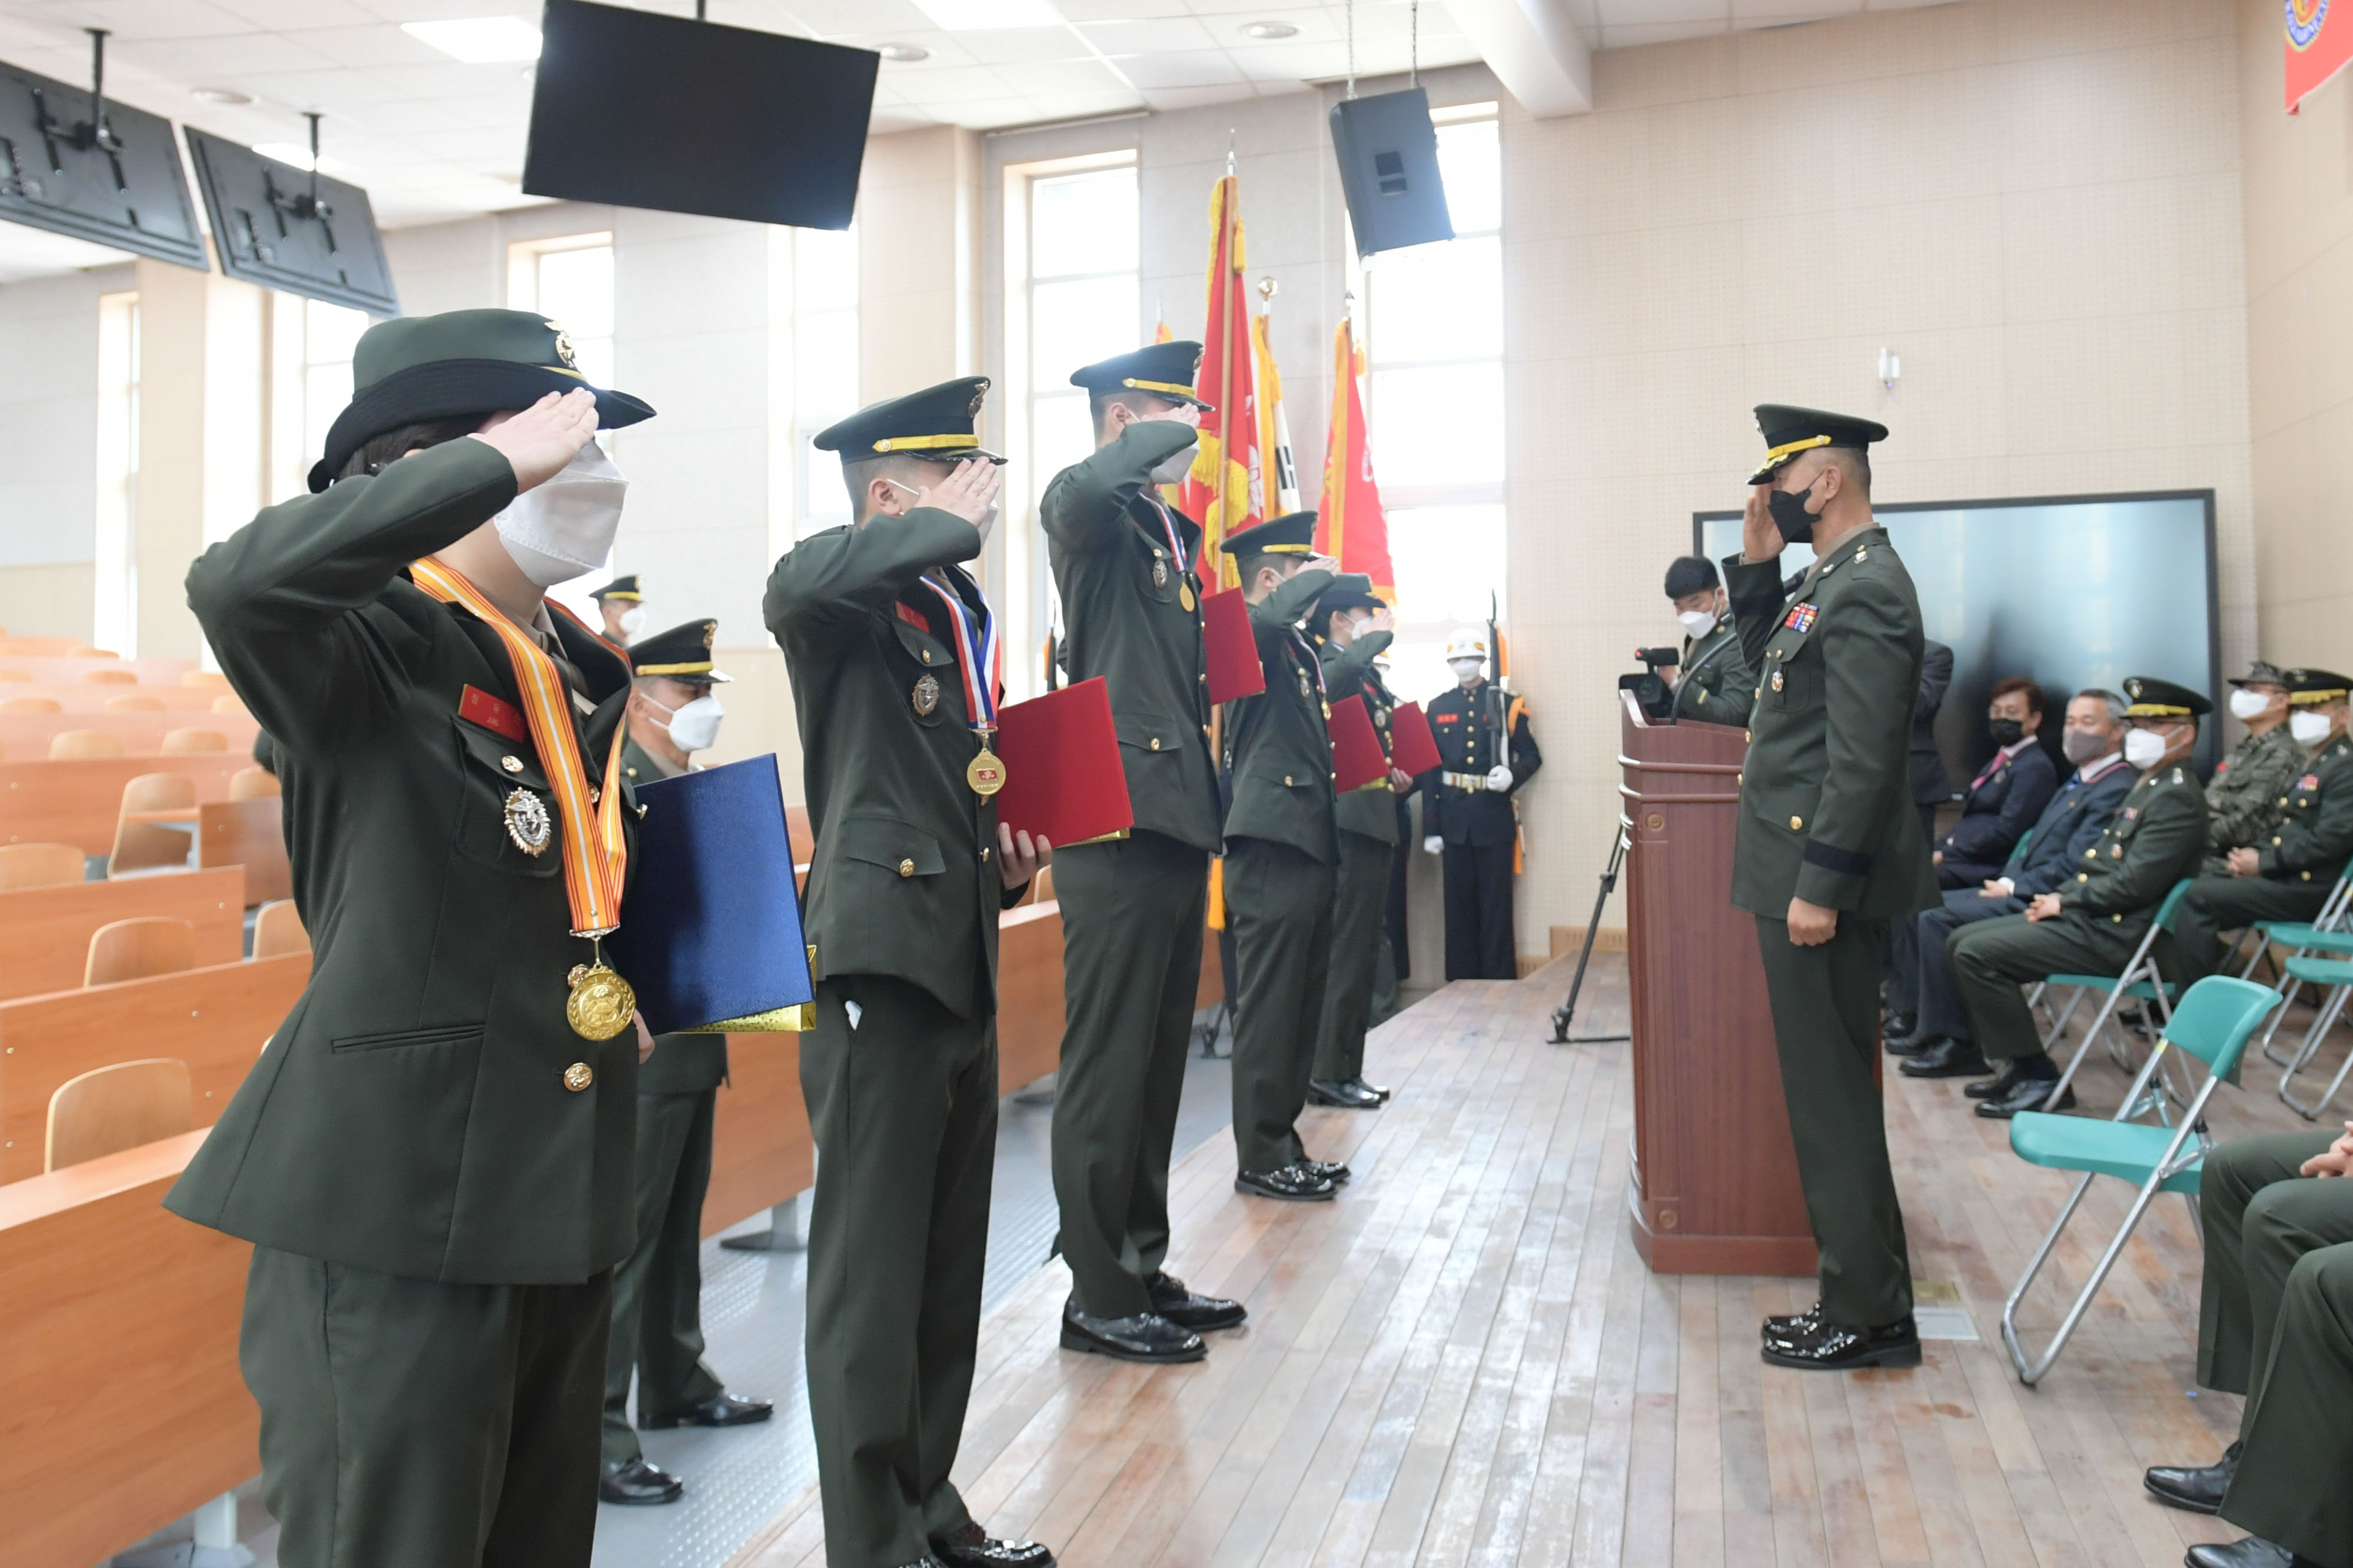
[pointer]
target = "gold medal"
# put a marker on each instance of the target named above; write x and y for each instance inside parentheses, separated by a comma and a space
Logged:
(600, 1003)
(1185, 594)
(985, 772)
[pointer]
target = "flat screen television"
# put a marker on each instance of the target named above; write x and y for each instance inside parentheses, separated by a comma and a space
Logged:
(270, 229)
(126, 191)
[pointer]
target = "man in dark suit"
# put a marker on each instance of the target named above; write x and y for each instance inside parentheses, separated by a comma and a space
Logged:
(1931, 786)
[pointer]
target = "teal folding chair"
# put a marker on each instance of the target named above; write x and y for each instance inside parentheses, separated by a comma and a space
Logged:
(2326, 930)
(2212, 1023)
(2335, 976)
(2140, 981)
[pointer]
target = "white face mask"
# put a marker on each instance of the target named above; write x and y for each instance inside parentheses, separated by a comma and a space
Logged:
(1698, 622)
(1464, 669)
(2143, 748)
(564, 528)
(2245, 705)
(633, 620)
(694, 725)
(2310, 729)
(1173, 468)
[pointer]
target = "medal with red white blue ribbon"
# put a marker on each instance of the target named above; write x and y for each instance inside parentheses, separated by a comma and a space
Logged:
(1175, 550)
(980, 658)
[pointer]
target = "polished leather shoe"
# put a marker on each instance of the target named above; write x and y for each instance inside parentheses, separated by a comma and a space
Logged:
(1332, 1171)
(1344, 1096)
(1781, 1328)
(1292, 1184)
(1833, 1347)
(638, 1482)
(2026, 1094)
(1142, 1336)
(1381, 1089)
(973, 1547)
(1908, 1044)
(1995, 1087)
(1947, 1059)
(1173, 1301)
(2198, 1489)
(1899, 1026)
(2255, 1551)
(720, 1410)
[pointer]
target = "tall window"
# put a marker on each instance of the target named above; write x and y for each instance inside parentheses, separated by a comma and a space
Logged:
(1433, 329)
(825, 372)
(114, 620)
(310, 345)
(569, 281)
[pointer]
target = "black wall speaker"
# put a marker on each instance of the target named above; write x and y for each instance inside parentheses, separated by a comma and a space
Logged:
(1389, 171)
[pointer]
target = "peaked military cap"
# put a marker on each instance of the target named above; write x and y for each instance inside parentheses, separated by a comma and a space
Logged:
(1292, 533)
(625, 589)
(1690, 574)
(682, 653)
(1789, 431)
(2307, 686)
(2262, 672)
(935, 423)
(1341, 595)
(416, 368)
(1164, 370)
(2155, 698)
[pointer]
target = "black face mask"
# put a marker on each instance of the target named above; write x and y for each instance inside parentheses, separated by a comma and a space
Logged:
(1790, 516)
(2006, 732)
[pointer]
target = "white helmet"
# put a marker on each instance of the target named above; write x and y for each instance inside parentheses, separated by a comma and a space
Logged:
(1468, 642)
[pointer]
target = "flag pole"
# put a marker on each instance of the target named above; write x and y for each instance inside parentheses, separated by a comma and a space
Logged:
(1226, 274)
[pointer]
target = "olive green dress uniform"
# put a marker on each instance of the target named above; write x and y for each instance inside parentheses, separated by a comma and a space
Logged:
(1367, 823)
(1826, 816)
(434, 1168)
(2243, 799)
(899, 1073)
(1718, 686)
(1135, 909)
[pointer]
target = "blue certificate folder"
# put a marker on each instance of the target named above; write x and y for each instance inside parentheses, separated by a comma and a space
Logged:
(711, 929)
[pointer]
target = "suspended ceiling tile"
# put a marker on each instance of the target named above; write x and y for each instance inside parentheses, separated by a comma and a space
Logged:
(1153, 36)
(1184, 67)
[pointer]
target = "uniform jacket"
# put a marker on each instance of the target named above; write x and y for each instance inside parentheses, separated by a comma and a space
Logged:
(1464, 725)
(1123, 606)
(2315, 832)
(1826, 803)
(2243, 798)
(1277, 747)
(1931, 786)
(1994, 814)
(411, 1114)
(2153, 841)
(2078, 813)
(1715, 685)
(1349, 672)
(682, 1063)
(903, 881)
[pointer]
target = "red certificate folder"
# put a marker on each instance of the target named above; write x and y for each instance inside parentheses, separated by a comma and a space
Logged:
(1411, 744)
(1232, 649)
(1358, 759)
(1063, 777)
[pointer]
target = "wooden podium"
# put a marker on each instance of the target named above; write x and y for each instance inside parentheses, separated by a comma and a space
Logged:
(1716, 1176)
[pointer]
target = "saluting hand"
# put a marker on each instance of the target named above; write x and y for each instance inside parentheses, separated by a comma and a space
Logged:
(968, 491)
(1320, 563)
(1018, 856)
(540, 442)
(1761, 540)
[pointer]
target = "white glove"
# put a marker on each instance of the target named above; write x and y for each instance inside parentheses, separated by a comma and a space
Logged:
(1433, 844)
(1499, 777)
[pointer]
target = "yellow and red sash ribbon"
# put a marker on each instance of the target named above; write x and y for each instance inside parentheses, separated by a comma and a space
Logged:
(596, 850)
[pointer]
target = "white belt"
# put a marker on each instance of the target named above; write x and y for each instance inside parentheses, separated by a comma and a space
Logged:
(1465, 780)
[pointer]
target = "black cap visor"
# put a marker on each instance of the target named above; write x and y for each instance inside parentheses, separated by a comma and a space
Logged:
(445, 388)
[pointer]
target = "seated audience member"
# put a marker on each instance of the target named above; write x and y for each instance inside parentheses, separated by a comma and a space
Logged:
(1714, 683)
(2094, 736)
(2008, 793)
(2098, 916)
(2243, 798)
(2275, 1323)
(2289, 874)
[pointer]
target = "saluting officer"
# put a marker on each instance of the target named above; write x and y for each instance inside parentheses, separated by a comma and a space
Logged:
(1133, 906)
(1467, 813)
(622, 605)
(432, 1157)
(1354, 627)
(894, 662)
(2243, 799)
(1281, 846)
(1714, 683)
(1827, 850)
(657, 1293)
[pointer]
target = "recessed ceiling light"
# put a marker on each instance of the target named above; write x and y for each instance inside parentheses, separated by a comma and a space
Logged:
(221, 94)
(479, 40)
(294, 152)
(1268, 30)
(905, 54)
(976, 16)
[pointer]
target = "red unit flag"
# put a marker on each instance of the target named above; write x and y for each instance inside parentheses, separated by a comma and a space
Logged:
(2320, 43)
(1350, 525)
(1227, 487)
(1358, 759)
(1231, 647)
(1410, 741)
(1063, 777)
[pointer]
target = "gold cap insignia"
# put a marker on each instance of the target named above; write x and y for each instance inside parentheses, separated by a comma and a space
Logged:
(564, 349)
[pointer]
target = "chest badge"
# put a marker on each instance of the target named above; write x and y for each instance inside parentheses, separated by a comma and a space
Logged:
(1160, 573)
(528, 823)
(1802, 616)
(2309, 780)
(1303, 689)
(1776, 680)
(925, 697)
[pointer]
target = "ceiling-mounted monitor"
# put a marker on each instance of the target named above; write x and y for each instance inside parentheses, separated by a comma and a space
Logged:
(74, 161)
(1389, 171)
(645, 111)
(290, 229)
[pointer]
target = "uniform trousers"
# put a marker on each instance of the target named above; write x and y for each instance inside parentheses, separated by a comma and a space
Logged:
(1132, 914)
(1935, 995)
(2275, 1323)
(902, 1102)
(412, 1424)
(1479, 942)
(1993, 958)
(1359, 900)
(1279, 907)
(1825, 1002)
(2216, 904)
(657, 1293)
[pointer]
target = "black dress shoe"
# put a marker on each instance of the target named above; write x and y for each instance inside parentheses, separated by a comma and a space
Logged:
(1947, 1059)
(1833, 1347)
(720, 1410)
(1379, 1090)
(1782, 1328)
(1332, 1171)
(2026, 1094)
(1344, 1097)
(1292, 1184)
(2255, 1551)
(1896, 1025)
(1172, 1300)
(1996, 1087)
(973, 1547)
(2198, 1489)
(1143, 1336)
(638, 1482)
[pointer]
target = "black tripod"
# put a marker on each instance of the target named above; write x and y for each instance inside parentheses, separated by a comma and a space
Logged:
(1567, 1010)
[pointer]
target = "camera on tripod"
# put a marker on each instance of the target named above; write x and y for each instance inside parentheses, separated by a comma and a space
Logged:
(1649, 687)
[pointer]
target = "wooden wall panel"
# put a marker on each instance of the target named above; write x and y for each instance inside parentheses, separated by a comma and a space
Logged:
(761, 1151)
(44, 931)
(76, 802)
(1028, 994)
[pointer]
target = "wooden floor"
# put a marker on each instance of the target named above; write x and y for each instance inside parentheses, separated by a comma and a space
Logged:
(1462, 1361)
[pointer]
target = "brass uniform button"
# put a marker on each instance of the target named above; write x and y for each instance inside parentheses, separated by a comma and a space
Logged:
(2083, 876)
(1156, 742)
(2117, 919)
(906, 867)
(1286, 781)
(511, 765)
(2305, 875)
(1747, 736)
(927, 656)
(579, 1076)
(2283, 800)
(1796, 823)
(983, 854)
(2276, 838)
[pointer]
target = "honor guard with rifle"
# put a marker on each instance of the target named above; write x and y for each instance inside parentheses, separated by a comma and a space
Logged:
(1487, 753)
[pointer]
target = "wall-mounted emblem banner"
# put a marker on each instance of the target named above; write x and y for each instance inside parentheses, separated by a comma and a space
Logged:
(2319, 44)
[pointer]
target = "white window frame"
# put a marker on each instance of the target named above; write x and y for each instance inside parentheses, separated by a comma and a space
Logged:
(114, 610)
(523, 256)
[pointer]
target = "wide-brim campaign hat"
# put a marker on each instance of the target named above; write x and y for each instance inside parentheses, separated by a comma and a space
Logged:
(419, 368)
